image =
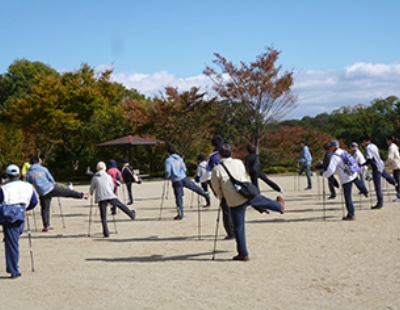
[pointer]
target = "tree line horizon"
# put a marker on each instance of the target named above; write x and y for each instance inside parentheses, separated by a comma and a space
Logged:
(61, 117)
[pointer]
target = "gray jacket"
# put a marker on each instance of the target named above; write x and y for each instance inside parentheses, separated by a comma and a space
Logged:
(103, 184)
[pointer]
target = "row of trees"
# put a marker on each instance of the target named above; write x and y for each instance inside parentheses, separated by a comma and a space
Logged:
(61, 117)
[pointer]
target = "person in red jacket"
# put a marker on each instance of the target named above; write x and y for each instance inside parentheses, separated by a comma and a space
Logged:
(117, 178)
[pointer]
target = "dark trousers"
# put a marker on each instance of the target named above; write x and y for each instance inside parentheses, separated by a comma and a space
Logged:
(115, 202)
(227, 218)
(254, 176)
(348, 198)
(45, 201)
(12, 232)
(204, 186)
(377, 176)
(178, 192)
(238, 219)
(361, 186)
(129, 190)
(332, 183)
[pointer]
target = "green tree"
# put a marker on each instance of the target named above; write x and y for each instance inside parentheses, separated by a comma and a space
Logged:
(15, 83)
(65, 110)
(259, 93)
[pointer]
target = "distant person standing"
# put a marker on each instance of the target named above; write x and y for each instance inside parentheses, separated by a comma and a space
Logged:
(175, 170)
(129, 177)
(102, 184)
(203, 176)
(16, 197)
(253, 167)
(332, 182)
(378, 169)
(393, 160)
(360, 160)
(47, 188)
(305, 160)
(25, 167)
(117, 179)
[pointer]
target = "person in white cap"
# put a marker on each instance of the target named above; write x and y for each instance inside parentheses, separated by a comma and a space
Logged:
(16, 197)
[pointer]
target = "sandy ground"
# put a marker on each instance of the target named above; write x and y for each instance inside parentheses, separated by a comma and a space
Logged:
(304, 259)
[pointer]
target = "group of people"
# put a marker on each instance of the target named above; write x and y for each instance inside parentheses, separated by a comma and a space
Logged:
(214, 173)
(335, 162)
(23, 189)
(34, 183)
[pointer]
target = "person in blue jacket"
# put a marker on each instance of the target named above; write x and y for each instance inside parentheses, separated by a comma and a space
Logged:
(305, 159)
(46, 187)
(16, 197)
(175, 170)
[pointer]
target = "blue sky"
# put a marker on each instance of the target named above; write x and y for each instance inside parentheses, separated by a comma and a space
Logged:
(342, 52)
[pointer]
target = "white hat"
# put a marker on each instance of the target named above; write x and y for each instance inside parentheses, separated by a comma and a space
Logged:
(12, 170)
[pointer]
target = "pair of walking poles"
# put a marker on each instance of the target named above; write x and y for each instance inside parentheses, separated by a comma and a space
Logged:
(164, 195)
(91, 216)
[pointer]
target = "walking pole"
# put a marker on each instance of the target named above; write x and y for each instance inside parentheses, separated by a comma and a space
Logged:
(216, 233)
(61, 211)
(34, 219)
(115, 225)
(90, 215)
(191, 200)
(323, 198)
(167, 181)
(319, 190)
(30, 242)
(341, 202)
(370, 195)
(162, 198)
(123, 193)
(199, 216)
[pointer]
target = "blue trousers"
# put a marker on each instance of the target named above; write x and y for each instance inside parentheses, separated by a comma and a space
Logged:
(178, 192)
(376, 176)
(238, 218)
(238, 213)
(11, 243)
(348, 198)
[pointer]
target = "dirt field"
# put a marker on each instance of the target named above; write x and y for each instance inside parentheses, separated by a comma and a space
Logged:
(304, 259)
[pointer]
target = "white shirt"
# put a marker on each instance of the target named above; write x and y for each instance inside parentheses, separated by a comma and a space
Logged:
(360, 159)
(336, 164)
(393, 160)
(372, 153)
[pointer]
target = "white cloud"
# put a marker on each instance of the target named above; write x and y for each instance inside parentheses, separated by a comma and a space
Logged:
(318, 91)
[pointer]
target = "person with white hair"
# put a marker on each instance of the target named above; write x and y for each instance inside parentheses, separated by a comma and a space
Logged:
(103, 186)
(16, 197)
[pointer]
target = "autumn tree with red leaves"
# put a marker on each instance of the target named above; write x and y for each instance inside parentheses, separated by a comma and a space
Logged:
(261, 95)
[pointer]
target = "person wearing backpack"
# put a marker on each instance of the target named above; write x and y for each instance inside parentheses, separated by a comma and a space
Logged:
(347, 177)
(332, 182)
(378, 169)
